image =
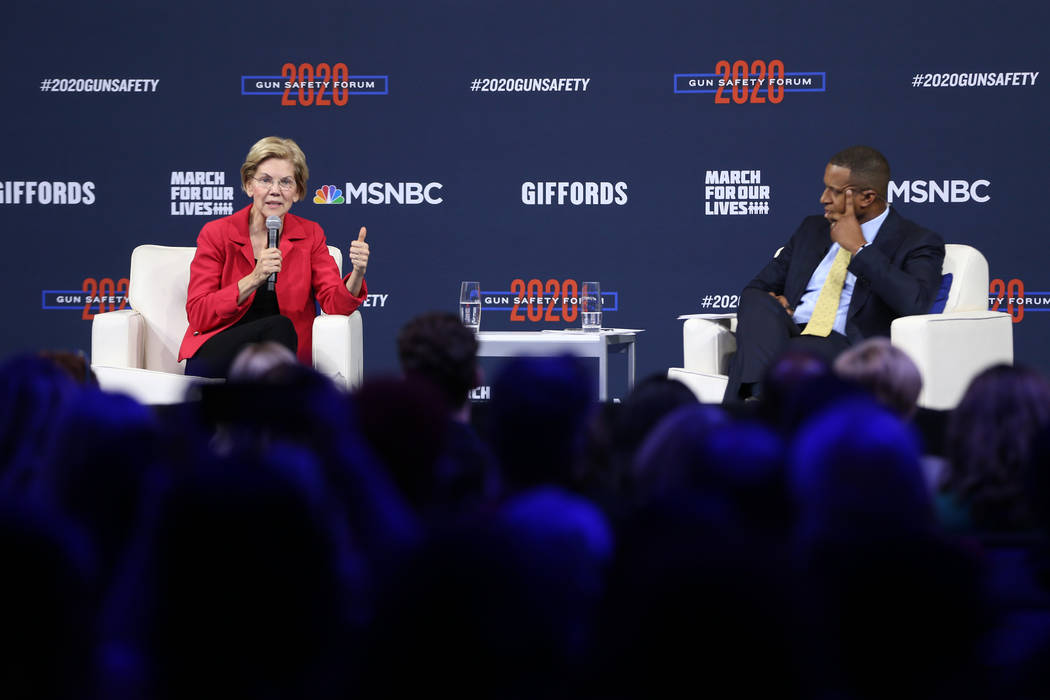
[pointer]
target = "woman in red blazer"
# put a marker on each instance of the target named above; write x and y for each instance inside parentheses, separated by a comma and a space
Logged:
(229, 305)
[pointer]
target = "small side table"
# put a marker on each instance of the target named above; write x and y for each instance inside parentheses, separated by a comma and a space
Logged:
(558, 342)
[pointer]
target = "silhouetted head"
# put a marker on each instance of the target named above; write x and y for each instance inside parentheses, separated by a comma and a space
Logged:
(988, 443)
(46, 604)
(255, 361)
(689, 591)
(799, 386)
(854, 472)
(675, 450)
(538, 410)
(886, 371)
(785, 379)
(648, 403)
(491, 610)
(437, 346)
(406, 423)
(241, 581)
(97, 471)
(33, 391)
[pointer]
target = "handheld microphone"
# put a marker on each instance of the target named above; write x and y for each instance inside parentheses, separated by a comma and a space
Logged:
(273, 225)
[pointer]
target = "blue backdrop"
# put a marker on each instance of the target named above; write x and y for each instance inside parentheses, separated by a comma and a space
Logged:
(451, 109)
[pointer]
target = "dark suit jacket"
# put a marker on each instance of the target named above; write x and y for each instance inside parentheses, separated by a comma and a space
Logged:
(897, 275)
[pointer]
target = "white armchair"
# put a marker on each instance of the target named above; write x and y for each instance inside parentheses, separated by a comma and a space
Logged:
(135, 350)
(950, 348)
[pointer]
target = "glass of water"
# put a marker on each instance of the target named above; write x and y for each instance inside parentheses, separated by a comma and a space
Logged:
(470, 305)
(591, 306)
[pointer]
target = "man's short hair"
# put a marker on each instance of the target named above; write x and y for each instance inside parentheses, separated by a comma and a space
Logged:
(439, 348)
(868, 167)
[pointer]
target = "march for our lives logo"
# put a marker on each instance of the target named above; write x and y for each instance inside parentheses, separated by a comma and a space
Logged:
(328, 194)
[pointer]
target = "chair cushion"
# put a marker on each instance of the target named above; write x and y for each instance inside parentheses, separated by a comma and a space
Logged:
(160, 277)
(942, 294)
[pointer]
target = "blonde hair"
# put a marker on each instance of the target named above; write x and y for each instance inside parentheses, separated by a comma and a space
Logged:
(276, 147)
(256, 359)
(885, 370)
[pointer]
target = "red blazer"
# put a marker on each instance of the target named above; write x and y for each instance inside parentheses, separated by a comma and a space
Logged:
(224, 255)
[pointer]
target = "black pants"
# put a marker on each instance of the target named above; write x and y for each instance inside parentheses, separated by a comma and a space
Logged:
(764, 332)
(213, 359)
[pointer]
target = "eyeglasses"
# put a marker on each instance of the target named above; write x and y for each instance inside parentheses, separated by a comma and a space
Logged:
(285, 183)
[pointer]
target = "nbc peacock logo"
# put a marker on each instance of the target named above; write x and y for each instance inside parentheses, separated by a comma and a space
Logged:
(328, 194)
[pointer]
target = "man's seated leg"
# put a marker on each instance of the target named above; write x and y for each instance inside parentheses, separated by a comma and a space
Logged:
(763, 330)
(828, 348)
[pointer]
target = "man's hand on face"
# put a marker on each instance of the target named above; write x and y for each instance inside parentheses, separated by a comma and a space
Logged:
(845, 229)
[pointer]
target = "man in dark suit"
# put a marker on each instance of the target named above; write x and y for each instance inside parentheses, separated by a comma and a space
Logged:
(892, 268)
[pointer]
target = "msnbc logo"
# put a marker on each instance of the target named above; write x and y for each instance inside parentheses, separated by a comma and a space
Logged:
(329, 194)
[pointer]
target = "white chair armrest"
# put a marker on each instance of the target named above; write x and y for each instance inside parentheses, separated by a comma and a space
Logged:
(951, 349)
(338, 348)
(707, 345)
(117, 339)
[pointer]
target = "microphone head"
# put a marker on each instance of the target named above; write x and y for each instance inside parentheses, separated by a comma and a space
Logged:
(273, 222)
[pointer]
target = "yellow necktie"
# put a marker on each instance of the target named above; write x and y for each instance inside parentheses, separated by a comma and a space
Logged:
(827, 305)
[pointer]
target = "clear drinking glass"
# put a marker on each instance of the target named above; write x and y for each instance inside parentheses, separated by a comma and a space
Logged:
(470, 305)
(591, 306)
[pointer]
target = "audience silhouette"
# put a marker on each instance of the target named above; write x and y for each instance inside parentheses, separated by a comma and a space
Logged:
(280, 538)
